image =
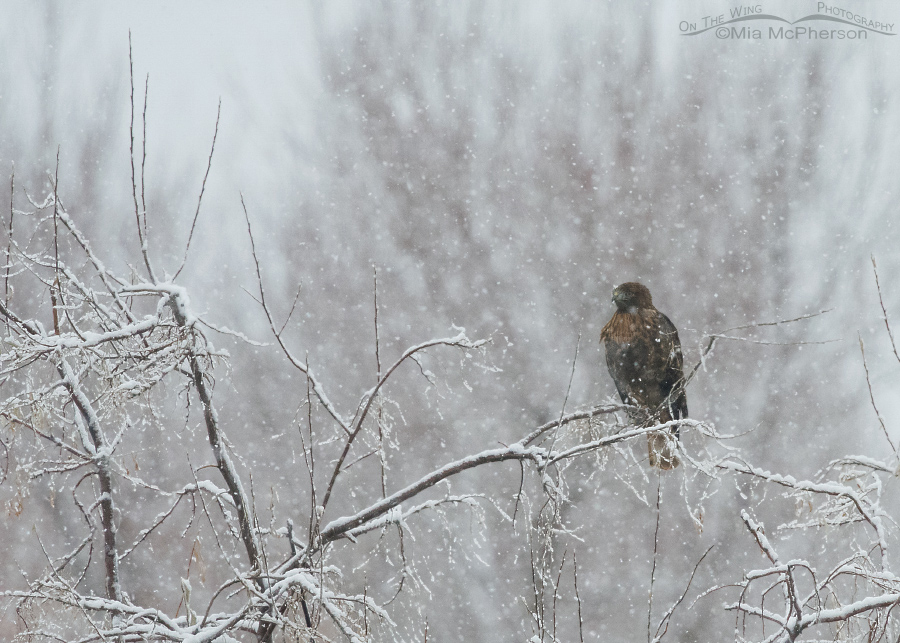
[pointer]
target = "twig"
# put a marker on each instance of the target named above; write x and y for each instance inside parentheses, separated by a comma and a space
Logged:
(460, 341)
(56, 293)
(578, 597)
(562, 411)
(664, 622)
(606, 409)
(779, 322)
(655, 550)
(303, 368)
(202, 190)
(9, 240)
(310, 463)
(556, 589)
(884, 310)
(137, 210)
(721, 335)
(293, 307)
(379, 420)
(375, 308)
(862, 350)
(765, 343)
(538, 612)
(519, 494)
(144, 154)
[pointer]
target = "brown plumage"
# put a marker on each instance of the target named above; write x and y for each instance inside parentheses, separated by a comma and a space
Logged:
(643, 354)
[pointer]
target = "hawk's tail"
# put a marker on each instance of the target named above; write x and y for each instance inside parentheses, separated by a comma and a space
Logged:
(663, 445)
(663, 450)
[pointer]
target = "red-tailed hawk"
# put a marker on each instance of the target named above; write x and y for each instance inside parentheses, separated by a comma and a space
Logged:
(643, 354)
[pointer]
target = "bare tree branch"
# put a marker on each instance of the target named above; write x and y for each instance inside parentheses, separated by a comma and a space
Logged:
(212, 148)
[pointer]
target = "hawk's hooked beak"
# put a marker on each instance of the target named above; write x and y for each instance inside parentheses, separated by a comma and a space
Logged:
(615, 295)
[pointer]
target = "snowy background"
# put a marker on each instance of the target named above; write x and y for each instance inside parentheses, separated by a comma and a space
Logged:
(503, 166)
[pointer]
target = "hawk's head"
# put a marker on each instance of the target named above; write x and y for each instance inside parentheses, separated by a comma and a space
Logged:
(631, 297)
